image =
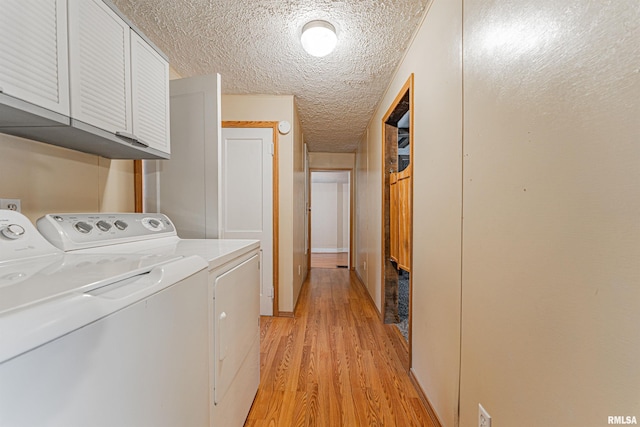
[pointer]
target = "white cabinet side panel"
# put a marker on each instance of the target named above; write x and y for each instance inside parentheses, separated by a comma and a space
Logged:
(33, 52)
(181, 179)
(186, 187)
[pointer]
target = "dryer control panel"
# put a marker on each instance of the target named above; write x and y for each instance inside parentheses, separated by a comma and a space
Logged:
(89, 230)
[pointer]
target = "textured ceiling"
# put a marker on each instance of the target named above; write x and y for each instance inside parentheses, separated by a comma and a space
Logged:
(254, 45)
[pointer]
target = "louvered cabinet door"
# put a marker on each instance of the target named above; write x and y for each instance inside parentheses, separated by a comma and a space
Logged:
(100, 64)
(33, 52)
(150, 84)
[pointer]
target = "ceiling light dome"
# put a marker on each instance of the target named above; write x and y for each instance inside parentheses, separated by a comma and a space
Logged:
(318, 38)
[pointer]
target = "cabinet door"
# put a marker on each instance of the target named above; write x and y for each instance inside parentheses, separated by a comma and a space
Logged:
(150, 84)
(33, 52)
(404, 219)
(100, 64)
(394, 223)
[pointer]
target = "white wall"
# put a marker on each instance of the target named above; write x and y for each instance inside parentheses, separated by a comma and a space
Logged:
(538, 288)
(435, 60)
(331, 160)
(324, 217)
(362, 223)
(551, 271)
(51, 179)
(344, 200)
(330, 200)
(292, 259)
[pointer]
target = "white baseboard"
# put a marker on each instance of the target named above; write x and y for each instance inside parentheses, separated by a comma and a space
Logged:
(328, 250)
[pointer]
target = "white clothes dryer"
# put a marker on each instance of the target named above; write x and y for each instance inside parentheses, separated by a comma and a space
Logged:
(233, 293)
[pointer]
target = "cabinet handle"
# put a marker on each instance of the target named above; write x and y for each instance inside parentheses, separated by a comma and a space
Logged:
(126, 135)
(132, 137)
(222, 342)
(140, 142)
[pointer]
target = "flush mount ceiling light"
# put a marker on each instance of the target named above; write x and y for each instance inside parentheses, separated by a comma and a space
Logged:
(318, 38)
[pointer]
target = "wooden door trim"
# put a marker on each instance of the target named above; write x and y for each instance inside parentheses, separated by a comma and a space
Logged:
(137, 185)
(276, 199)
(351, 209)
(407, 87)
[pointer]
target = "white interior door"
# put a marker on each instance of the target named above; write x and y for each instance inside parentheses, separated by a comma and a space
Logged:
(246, 196)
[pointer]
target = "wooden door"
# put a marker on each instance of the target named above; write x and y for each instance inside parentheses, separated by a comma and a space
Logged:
(404, 219)
(394, 223)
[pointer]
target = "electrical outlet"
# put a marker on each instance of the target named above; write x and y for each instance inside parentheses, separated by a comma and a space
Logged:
(10, 204)
(484, 419)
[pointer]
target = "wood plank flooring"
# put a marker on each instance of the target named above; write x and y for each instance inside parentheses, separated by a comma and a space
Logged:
(334, 364)
(329, 260)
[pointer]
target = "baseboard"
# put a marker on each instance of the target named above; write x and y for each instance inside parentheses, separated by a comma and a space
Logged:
(328, 250)
(425, 400)
(285, 314)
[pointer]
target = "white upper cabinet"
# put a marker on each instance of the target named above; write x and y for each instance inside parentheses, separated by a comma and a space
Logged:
(33, 52)
(100, 66)
(119, 83)
(150, 84)
(78, 74)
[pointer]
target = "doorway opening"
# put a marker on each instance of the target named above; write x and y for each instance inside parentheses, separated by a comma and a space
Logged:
(397, 200)
(330, 219)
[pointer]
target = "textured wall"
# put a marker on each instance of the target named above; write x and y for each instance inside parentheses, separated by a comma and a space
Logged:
(538, 284)
(435, 59)
(551, 271)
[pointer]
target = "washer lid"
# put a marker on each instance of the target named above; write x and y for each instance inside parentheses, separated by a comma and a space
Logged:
(34, 281)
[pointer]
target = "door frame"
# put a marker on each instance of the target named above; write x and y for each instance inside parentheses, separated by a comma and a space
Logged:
(137, 185)
(406, 88)
(276, 197)
(351, 213)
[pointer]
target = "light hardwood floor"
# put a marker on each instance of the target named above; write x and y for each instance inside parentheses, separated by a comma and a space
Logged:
(334, 364)
(329, 260)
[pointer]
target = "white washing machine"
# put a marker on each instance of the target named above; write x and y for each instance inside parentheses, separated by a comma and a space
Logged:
(99, 339)
(233, 293)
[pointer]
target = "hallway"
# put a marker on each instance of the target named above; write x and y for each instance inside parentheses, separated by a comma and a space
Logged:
(329, 260)
(334, 364)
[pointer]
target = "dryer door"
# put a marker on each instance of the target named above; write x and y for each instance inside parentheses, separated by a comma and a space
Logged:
(237, 312)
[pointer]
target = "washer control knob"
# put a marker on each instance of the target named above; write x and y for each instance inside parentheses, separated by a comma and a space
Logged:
(103, 225)
(154, 223)
(13, 231)
(121, 225)
(83, 227)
